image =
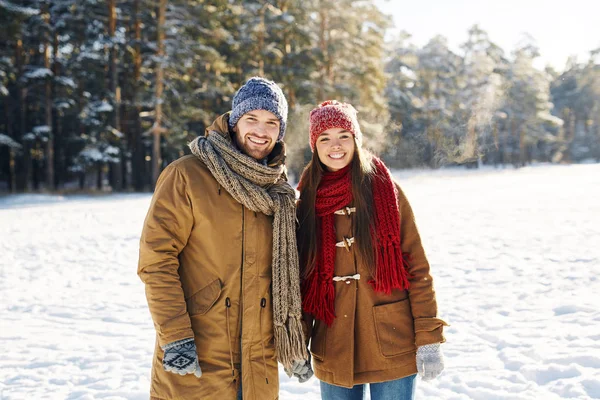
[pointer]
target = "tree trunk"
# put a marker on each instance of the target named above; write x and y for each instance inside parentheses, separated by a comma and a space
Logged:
(22, 94)
(59, 145)
(8, 109)
(472, 145)
(138, 153)
(321, 92)
(572, 123)
(157, 128)
(522, 148)
(82, 180)
(99, 177)
(36, 166)
(261, 41)
(507, 134)
(496, 145)
(116, 169)
(48, 109)
(597, 141)
(287, 49)
(50, 141)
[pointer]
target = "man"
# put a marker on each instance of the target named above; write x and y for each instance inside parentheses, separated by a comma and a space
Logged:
(218, 258)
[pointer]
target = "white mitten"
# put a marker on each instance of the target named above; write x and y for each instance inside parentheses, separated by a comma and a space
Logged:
(430, 361)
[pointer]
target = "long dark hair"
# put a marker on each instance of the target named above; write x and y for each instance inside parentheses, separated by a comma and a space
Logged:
(362, 174)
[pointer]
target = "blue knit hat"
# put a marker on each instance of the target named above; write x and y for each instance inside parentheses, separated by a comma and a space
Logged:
(259, 94)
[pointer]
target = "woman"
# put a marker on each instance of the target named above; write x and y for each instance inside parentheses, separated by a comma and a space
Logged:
(366, 282)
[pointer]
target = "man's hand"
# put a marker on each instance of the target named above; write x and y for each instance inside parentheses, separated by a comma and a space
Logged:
(302, 370)
(430, 361)
(181, 358)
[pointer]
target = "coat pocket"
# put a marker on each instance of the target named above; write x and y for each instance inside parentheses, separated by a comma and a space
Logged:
(200, 302)
(395, 328)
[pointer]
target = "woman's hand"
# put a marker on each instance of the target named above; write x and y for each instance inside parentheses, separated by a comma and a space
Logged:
(430, 361)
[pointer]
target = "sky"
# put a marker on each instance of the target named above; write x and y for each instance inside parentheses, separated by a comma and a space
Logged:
(561, 28)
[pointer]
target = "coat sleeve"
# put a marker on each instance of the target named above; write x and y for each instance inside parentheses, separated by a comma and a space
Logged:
(428, 327)
(307, 326)
(166, 231)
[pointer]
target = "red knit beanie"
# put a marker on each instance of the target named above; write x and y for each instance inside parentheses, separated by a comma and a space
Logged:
(333, 114)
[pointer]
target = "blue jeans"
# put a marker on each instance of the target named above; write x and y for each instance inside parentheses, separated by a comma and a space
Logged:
(399, 389)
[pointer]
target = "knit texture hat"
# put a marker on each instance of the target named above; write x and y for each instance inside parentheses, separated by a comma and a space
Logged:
(259, 94)
(333, 114)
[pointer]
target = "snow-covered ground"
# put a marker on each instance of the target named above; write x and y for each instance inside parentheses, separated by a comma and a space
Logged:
(516, 254)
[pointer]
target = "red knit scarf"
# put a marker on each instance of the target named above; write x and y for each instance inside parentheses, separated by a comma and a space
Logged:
(334, 193)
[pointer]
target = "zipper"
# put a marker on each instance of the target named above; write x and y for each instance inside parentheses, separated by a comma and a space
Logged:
(263, 304)
(241, 312)
(227, 307)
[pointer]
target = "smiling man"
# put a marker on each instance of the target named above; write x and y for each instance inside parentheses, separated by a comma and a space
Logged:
(218, 258)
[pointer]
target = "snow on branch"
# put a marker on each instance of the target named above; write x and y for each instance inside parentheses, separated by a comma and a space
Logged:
(26, 11)
(38, 73)
(8, 141)
(41, 130)
(65, 81)
(551, 119)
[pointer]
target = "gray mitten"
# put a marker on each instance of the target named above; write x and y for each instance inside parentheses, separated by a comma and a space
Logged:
(302, 370)
(430, 361)
(181, 358)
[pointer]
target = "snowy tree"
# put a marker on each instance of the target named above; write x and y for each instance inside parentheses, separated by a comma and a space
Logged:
(437, 87)
(527, 107)
(576, 97)
(13, 58)
(423, 95)
(406, 147)
(86, 86)
(480, 95)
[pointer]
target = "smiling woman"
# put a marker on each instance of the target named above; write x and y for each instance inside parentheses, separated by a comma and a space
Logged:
(367, 293)
(335, 148)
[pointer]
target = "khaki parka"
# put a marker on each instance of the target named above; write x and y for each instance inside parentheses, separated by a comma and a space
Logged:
(205, 260)
(374, 336)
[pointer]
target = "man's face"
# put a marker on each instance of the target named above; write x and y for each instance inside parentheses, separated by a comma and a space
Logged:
(256, 133)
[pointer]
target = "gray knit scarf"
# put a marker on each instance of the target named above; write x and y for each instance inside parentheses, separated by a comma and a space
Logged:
(263, 189)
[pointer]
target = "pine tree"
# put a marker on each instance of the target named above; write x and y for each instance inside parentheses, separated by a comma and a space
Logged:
(527, 107)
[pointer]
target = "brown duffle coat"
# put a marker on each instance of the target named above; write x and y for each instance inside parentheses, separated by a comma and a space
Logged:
(374, 336)
(205, 260)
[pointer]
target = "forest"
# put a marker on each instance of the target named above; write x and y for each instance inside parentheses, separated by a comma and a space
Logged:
(102, 95)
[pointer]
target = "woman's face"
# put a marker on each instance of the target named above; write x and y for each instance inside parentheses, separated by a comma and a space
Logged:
(335, 148)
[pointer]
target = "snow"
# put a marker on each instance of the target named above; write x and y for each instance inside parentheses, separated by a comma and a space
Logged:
(6, 140)
(63, 105)
(66, 81)
(104, 106)
(92, 154)
(37, 73)
(288, 18)
(112, 151)
(24, 11)
(514, 252)
(41, 130)
(546, 116)
(89, 54)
